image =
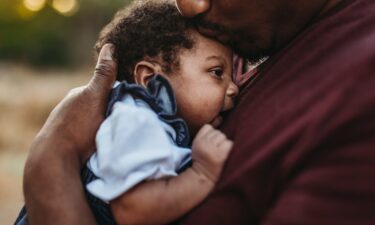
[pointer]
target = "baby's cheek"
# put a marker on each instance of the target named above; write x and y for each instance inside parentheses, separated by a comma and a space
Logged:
(214, 109)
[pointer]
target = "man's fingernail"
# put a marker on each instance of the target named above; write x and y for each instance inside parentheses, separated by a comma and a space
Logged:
(107, 52)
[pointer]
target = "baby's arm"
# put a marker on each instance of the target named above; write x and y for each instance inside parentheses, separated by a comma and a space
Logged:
(162, 201)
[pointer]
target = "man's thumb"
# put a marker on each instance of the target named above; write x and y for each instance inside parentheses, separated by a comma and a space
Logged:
(105, 70)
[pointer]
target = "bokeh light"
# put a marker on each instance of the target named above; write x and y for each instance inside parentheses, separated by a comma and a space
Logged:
(65, 7)
(34, 5)
(46, 48)
(24, 13)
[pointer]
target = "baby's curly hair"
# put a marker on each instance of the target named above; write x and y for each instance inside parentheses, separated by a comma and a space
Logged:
(147, 29)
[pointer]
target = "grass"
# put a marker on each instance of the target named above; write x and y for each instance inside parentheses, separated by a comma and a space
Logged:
(26, 98)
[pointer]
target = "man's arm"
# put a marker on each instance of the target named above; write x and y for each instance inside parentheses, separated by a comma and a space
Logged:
(52, 185)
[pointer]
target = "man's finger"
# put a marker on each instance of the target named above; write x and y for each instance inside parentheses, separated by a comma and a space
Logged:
(105, 70)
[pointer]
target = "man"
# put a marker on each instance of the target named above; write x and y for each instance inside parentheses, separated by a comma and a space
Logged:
(303, 128)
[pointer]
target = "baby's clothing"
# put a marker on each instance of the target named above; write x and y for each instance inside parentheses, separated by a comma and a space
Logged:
(135, 143)
(141, 139)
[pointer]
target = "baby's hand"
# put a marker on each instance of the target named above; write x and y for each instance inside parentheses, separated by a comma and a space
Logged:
(209, 151)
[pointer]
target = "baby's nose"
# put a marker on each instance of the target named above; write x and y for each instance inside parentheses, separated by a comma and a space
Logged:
(232, 90)
(192, 8)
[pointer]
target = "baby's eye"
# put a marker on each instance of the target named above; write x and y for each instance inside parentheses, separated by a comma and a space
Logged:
(218, 72)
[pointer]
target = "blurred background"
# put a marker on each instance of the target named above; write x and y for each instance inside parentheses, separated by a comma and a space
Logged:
(46, 48)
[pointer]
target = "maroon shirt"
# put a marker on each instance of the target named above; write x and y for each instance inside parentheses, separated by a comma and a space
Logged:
(304, 132)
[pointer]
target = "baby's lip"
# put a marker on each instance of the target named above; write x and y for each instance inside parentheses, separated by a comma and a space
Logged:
(217, 120)
(228, 107)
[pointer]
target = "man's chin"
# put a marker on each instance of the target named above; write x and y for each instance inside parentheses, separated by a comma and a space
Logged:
(251, 54)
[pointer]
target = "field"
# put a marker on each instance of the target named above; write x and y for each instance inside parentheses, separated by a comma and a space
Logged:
(26, 98)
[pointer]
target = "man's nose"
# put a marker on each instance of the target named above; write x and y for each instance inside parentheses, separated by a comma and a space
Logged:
(192, 8)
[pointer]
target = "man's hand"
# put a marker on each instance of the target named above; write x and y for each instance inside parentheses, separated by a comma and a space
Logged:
(52, 185)
(78, 116)
(210, 150)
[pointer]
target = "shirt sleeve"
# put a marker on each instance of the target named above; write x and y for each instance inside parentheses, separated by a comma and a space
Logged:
(132, 146)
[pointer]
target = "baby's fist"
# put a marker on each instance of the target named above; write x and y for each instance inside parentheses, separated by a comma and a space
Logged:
(210, 149)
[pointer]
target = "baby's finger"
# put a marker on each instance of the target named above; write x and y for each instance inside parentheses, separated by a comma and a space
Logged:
(212, 135)
(218, 138)
(207, 128)
(226, 145)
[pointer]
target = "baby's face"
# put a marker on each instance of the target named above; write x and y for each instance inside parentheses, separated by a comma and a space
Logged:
(203, 83)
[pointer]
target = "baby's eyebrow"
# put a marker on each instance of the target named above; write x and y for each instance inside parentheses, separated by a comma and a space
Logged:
(216, 57)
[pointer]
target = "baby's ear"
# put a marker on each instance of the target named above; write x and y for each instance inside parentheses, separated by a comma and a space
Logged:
(144, 71)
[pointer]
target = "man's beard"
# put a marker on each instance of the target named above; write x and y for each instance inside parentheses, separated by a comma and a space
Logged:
(241, 43)
(253, 53)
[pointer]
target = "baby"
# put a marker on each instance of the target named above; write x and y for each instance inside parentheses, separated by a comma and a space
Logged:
(172, 83)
